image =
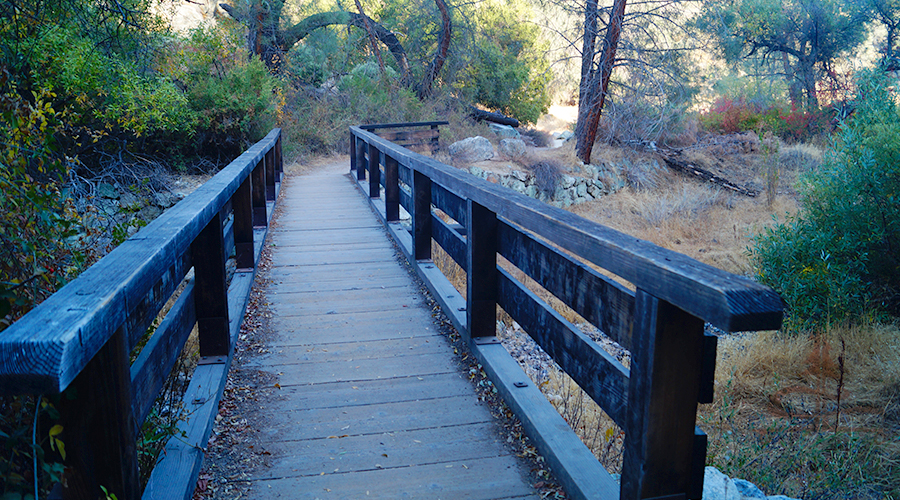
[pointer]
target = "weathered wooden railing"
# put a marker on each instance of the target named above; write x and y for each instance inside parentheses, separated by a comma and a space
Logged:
(79, 340)
(429, 136)
(661, 323)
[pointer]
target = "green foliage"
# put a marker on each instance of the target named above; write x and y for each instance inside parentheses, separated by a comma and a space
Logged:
(838, 259)
(508, 72)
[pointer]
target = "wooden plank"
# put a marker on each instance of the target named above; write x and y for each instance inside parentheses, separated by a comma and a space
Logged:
(450, 240)
(376, 126)
(399, 448)
(479, 479)
(606, 304)
(729, 302)
(481, 272)
(422, 224)
(410, 136)
(596, 371)
(151, 368)
(269, 159)
(573, 464)
(175, 475)
(662, 394)
(374, 172)
(449, 202)
(327, 257)
(376, 418)
(142, 316)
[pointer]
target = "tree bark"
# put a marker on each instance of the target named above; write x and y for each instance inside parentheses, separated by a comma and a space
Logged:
(371, 33)
(598, 85)
(587, 61)
(424, 88)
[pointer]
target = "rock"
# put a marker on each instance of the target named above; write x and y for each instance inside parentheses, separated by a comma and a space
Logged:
(531, 191)
(472, 149)
(504, 131)
(595, 190)
(522, 176)
(747, 489)
(107, 191)
(717, 486)
(130, 201)
(581, 189)
(516, 185)
(567, 181)
(565, 135)
(512, 148)
(477, 172)
(165, 200)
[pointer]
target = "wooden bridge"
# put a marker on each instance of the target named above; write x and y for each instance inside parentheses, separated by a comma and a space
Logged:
(369, 389)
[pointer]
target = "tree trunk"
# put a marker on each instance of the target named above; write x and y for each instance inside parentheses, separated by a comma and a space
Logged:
(371, 34)
(795, 91)
(587, 62)
(596, 97)
(286, 38)
(424, 88)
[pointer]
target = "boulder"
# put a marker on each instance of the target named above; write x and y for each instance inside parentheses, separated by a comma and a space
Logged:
(504, 131)
(471, 150)
(107, 191)
(512, 148)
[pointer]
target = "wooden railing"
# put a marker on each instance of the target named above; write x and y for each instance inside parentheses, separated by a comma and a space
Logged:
(79, 340)
(661, 322)
(427, 133)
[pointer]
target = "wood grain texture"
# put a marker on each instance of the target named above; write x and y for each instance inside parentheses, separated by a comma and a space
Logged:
(356, 352)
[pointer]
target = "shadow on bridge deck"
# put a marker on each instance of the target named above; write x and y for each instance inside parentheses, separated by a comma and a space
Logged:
(372, 402)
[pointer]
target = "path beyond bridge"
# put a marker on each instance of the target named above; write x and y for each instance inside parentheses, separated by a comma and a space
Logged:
(372, 402)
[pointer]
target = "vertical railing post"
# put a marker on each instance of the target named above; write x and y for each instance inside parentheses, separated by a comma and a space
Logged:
(666, 364)
(481, 269)
(352, 151)
(258, 190)
(269, 159)
(362, 163)
(211, 290)
(435, 144)
(242, 205)
(391, 188)
(374, 172)
(279, 160)
(99, 429)
(421, 215)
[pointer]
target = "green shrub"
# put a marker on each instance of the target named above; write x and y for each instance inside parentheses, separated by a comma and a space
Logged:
(838, 259)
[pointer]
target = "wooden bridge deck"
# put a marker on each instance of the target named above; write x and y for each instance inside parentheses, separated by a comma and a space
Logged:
(372, 402)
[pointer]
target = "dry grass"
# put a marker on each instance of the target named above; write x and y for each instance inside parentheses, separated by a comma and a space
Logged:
(809, 418)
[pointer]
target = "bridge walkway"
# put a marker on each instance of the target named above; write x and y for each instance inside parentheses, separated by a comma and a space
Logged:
(372, 401)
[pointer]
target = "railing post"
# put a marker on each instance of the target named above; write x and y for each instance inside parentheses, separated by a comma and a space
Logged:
(211, 291)
(660, 440)
(352, 151)
(242, 205)
(391, 189)
(481, 269)
(99, 426)
(374, 172)
(421, 215)
(269, 159)
(258, 188)
(362, 163)
(279, 160)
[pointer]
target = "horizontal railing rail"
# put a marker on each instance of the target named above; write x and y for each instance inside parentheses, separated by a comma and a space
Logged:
(660, 322)
(429, 136)
(79, 341)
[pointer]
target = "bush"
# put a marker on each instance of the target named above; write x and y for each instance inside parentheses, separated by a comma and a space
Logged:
(732, 116)
(838, 259)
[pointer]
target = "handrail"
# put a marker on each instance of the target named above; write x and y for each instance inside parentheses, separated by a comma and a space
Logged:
(81, 337)
(661, 323)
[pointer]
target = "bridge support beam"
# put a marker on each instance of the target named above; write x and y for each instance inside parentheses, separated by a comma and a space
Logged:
(391, 189)
(374, 172)
(211, 290)
(421, 215)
